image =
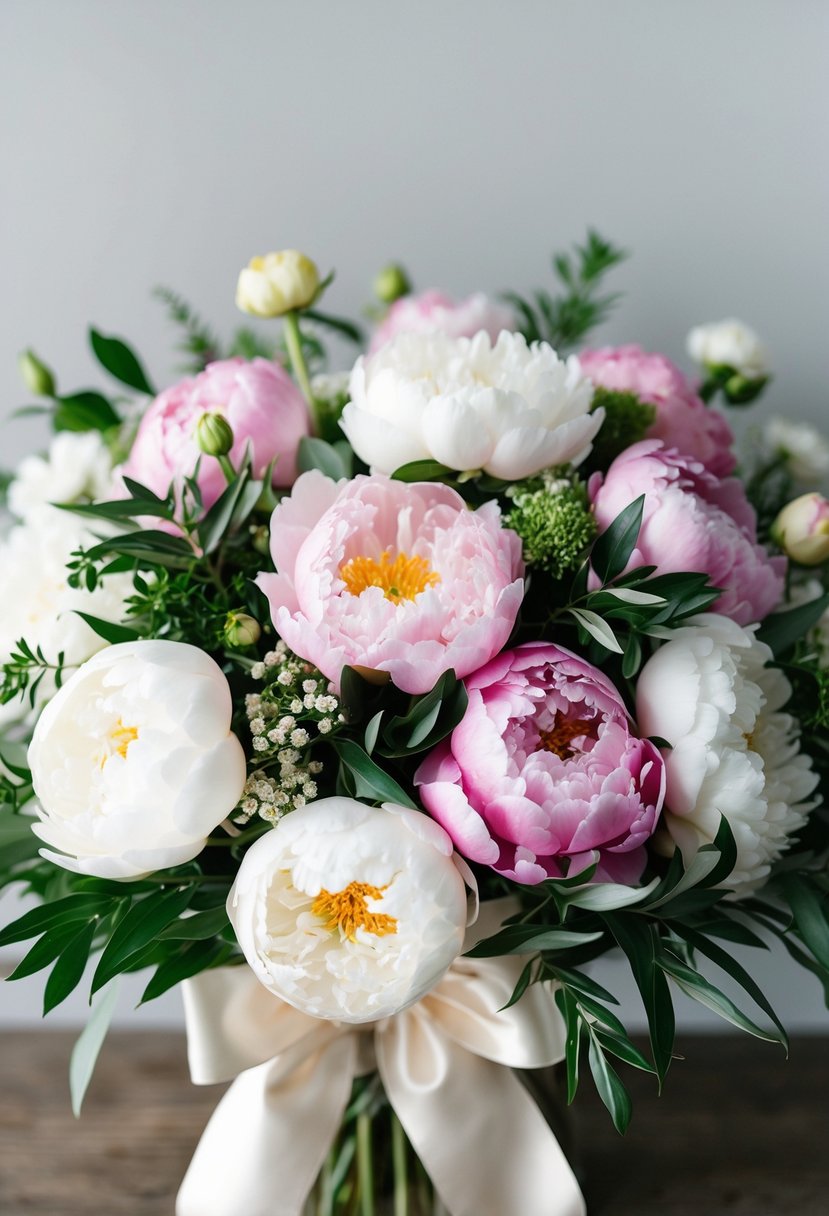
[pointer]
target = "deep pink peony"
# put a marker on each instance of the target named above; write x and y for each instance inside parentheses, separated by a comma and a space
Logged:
(391, 577)
(683, 420)
(434, 312)
(260, 401)
(692, 521)
(544, 769)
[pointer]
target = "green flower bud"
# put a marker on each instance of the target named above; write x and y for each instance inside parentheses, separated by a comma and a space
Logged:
(242, 630)
(36, 375)
(214, 435)
(260, 538)
(391, 283)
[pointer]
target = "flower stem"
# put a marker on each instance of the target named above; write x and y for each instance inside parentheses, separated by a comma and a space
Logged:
(293, 341)
(227, 469)
(365, 1170)
(400, 1164)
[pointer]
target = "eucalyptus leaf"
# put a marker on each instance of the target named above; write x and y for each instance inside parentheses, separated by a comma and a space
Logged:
(317, 454)
(597, 628)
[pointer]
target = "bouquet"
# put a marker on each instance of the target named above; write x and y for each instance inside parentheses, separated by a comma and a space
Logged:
(372, 707)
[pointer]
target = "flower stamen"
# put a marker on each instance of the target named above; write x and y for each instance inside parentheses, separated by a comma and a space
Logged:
(402, 579)
(561, 734)
(348, 911)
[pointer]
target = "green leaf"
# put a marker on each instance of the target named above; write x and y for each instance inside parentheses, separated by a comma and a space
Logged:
(524, 981)
(597, 628)
(781, 630)
(640, 942)
(810, 915)
(198, 927)
(609, 1085)
(120, 361)
(612, 548)
(195, 957)
(45, 950)
(620, 1046)
(86, 1049)
(68, 971)
(422, 470)
(525, 939)
(573, 1028)
(122, 508)
(583, 984)
(372, 730)
(340, 325)
(430, 718)
(371, 780)
(232, 506)
(60, 912)
(607, 896)
(157, 548)
(317, 454)
(108, 630)
(705, 993)
(141, 925)
(85, 411)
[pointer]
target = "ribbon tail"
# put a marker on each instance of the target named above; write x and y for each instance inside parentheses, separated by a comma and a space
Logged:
(268, 1137)
(480, 1136)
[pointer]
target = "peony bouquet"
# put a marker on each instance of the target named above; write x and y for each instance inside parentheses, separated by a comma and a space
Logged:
(371, 708)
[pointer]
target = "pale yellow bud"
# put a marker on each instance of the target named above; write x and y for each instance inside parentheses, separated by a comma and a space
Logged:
(277, 283)
(802, 530)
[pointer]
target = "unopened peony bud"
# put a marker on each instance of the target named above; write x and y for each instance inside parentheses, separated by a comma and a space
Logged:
(802, 530)
(241, 629)
(729, 345)
(36, 375)
(277, 283)
(260, 538)
(214, 434)
(391, 283)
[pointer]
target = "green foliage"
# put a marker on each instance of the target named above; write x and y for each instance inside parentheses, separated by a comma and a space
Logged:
(120, 361)
(565, 319)
(627, 420)
(197, 342)
(554, 522)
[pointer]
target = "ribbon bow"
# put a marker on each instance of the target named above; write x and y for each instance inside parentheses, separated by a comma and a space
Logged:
(445, 1063)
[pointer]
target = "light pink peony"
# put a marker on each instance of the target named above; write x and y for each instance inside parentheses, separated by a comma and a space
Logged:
(692, 521)
(544, 769)
(683, 420)
(433, 312)
(260, 401)
(391, 577)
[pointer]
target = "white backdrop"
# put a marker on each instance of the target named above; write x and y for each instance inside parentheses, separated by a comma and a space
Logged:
(157, 142)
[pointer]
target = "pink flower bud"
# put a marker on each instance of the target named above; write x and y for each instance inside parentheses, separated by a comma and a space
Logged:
(802, 530)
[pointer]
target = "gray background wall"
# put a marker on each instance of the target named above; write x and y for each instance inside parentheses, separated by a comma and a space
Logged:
(168, 140)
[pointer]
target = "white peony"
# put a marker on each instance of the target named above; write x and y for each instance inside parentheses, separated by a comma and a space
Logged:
(350, 912)
(508, 408)
(133, 762)
(37, 603)
(77, 466)
(804, 449)
(710, 694)
(729, 343)
(277, 283)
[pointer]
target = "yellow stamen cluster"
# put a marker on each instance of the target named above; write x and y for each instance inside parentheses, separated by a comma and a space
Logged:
(401, 579)
(348, 911)
(561, 734)
(120, 737)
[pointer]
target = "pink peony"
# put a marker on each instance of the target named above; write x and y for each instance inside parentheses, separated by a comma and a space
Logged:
(683, 420)
(391, 577)
(433, 312)
(692, 521)
(543, 768)
(260, 401)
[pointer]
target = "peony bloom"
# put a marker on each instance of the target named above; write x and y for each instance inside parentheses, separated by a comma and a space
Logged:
(391, 577)
(277, 283)
(731, 344)
(77, 467)
(133, 762)
(37, 603)
(350, 912)
(432, 312)
(683, 420)
(264, 407)
(692, 521)
(734, 753)
(507, 408)
(803, 448)
(802, 530)
(543, 769)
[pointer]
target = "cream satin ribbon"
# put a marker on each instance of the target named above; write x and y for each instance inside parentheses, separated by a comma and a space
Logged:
(445, 1064)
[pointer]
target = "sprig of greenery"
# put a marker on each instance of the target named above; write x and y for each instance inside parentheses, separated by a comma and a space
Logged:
(198, 341)
(565, 319)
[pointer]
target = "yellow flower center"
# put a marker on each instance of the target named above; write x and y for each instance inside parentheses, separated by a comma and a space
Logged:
(561, 734)
(348, 911)
(401, 579)
(120, 737)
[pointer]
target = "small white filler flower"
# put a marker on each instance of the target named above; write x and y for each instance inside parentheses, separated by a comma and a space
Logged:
(350, 912)
(730, 343)
(133, 761)
(507, 408)
(734, 754)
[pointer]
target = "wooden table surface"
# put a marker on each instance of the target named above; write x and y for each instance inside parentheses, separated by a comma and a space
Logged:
(739, 1131)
